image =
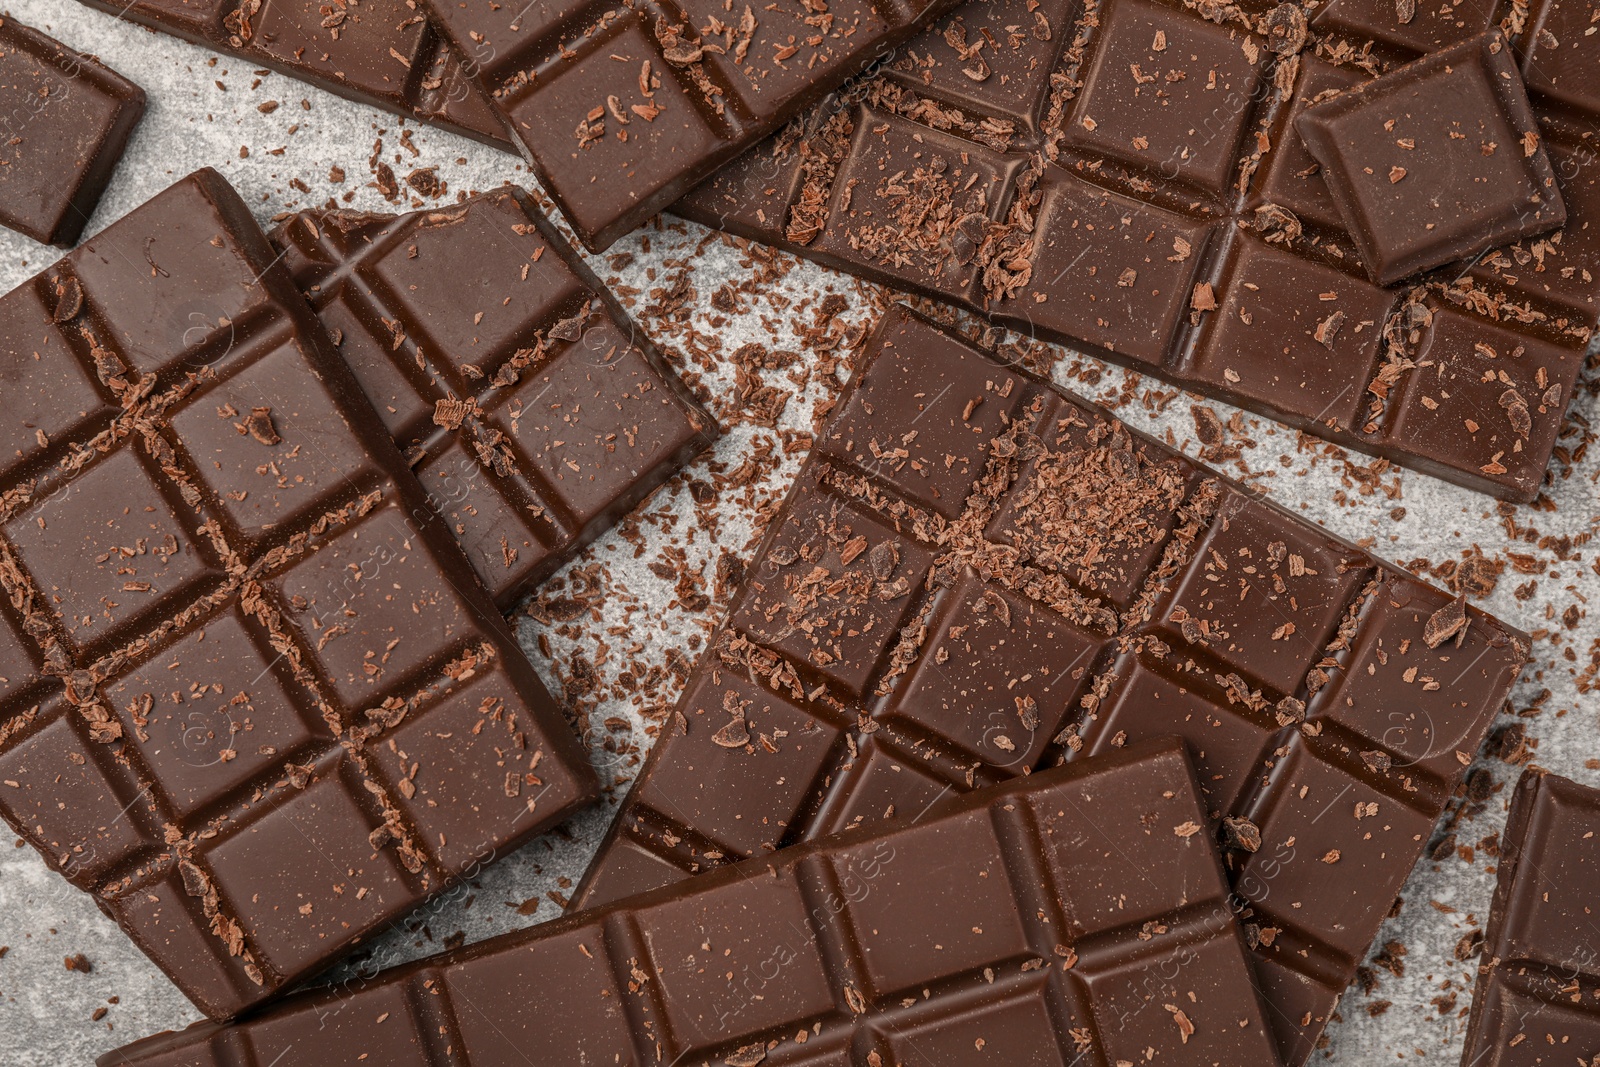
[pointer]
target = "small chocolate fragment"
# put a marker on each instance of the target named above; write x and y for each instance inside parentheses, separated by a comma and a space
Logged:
(533, 409)
(67, 119)
(1063, 918)
(1435, 161)
(1128, 177)
(1066, 587)
(379, 52)
(621, 109)
(1539, 985)
(251, 696)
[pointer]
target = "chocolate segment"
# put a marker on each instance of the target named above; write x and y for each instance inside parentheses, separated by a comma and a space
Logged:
(67, 119)
(252, 697)
(532, 409)
(1435, 161)
(1079, 916)
(978, 576)
(1127, 177)
(1538, 994)
(379, 52)
(623, 108)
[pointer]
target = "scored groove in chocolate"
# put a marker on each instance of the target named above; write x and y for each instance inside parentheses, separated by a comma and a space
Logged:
(251, 696)
(1125, 174)
(977, 576)
(533, 410)
(621, 108)
(1538, 994)
(380, 52)
(1078, 917)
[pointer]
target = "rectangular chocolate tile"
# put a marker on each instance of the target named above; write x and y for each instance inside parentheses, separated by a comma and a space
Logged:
(1127, 177)
(1538, 995)
(379, 52)
(621, 109)
(67, 119)
(1436, 161)
(532, 408)
(978, 576)
(251, 696)
(1079, 917)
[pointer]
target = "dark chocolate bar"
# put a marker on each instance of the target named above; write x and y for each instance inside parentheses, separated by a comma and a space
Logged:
(1436, 161)
(1538, 996)
(533, 410)
(1077, 917)
(251, 696)
(622, 108)
(978, 576)
(66, 119)
(1125, 176)
(378, 52)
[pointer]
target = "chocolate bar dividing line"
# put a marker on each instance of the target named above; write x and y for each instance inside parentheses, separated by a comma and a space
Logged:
(67, 118)
(1538, 993)
(622, 108)
(252, 697)
(1126, 175)
(380, 52)
(977, 576)
(534, 411)
(1076, 917)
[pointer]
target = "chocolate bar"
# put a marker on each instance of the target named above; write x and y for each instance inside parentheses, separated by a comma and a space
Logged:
(622, 109)
(532, 409)
(1079, 916)
(67, 119)
(1436, 161)
(1538, 994)
(251, 696)
(379, 52)
(1126, 177)
(978, 576)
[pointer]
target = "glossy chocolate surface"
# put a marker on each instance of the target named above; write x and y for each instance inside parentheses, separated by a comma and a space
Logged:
(533, 410)
(378, 52)
(1076, 917)
(621, 108)
(251, 696)
(1126, 175)
(1435, 161)
(64, 121)
(1538, 995)
(978, 576)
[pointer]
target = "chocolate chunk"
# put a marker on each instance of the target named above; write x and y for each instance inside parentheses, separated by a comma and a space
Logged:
(1143, 192)
(1020, 925)
(1435, 161)
(534, 411)
(622, 109)
(68, 118)
(1062, 568)
(383, 53)
(209, 575)
(1538, 975)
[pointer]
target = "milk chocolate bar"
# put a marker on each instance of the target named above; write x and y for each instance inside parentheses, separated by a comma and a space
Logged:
(66, 119)
(1127, 177)
(377, 52)
(1076, 917)
(622, 108)
(252, 697)
(1538, 994)
(533, 410)
(978, 576)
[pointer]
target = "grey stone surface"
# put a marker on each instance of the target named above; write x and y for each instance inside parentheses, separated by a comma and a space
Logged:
(203, 108)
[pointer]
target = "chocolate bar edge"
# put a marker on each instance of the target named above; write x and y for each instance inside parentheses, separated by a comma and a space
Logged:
(1157, 749)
